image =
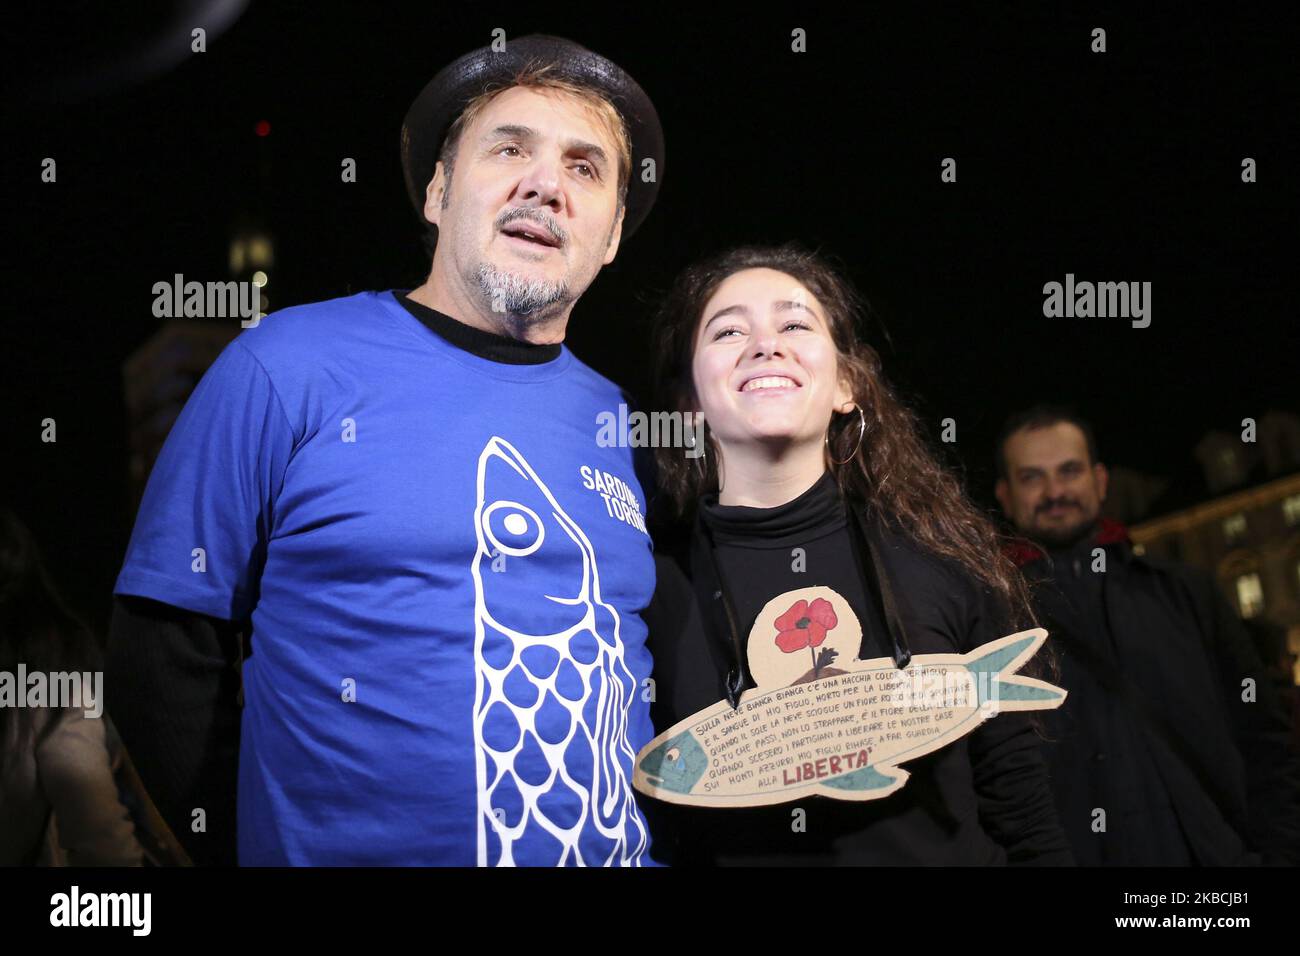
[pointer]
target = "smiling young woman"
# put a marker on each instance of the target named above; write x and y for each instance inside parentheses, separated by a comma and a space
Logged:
(815, 474)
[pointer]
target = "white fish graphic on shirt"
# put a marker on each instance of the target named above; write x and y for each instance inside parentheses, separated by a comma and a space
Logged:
(553, 690)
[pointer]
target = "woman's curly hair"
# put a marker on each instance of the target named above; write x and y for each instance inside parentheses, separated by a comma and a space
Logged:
(892, 473)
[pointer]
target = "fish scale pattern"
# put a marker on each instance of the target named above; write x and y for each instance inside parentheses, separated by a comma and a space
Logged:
(550, 713)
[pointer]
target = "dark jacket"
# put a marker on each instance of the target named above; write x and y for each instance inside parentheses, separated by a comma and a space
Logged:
(982, 800)
(1155, 731)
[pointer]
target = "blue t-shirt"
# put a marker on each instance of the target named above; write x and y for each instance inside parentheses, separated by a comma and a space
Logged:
(444, 572)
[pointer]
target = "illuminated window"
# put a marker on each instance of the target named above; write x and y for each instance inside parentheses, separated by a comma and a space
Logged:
(1291, 509)
(251, 251)
(1250, 595)
(1234, 528)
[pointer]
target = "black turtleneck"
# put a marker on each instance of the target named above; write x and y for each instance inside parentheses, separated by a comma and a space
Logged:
(818, 510)
(756, 555)
(496, 348)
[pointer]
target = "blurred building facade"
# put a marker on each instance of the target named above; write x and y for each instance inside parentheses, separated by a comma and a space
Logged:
(1243, 526)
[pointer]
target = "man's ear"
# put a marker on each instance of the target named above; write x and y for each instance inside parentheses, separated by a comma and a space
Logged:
(1102, 477)
(433, 194)
(615, 237)
(1002, 492)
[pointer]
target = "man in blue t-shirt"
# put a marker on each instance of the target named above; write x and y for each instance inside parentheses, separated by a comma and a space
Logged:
(402, 498)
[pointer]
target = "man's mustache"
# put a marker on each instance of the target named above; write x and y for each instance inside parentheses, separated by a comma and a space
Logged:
(1050, 503)
(556, 233)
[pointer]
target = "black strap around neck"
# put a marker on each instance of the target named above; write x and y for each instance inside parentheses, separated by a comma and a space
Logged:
(717, 612)
(877, 575)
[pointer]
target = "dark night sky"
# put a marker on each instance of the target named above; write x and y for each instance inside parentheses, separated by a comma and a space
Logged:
(1121, 166)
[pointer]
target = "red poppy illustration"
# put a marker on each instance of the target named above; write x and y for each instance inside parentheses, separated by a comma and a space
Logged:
(805, 625)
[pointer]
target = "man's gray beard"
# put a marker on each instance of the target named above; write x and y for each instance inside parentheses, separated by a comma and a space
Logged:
(515, 296)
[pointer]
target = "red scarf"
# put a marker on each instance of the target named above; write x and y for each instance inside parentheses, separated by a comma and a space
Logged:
(1023, 551)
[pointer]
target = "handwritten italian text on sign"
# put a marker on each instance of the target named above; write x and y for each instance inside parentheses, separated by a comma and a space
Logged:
(843, 735)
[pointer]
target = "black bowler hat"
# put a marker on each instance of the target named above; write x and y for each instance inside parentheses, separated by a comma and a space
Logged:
(446, 95)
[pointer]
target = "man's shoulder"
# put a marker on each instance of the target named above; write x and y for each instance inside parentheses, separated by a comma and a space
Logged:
(311, 329)
(1193, 581)
(582, 373)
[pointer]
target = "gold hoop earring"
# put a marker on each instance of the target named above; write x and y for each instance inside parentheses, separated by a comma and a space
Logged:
(862, 430)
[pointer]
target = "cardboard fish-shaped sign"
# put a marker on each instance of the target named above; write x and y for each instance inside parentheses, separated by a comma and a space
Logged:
(835, 729)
